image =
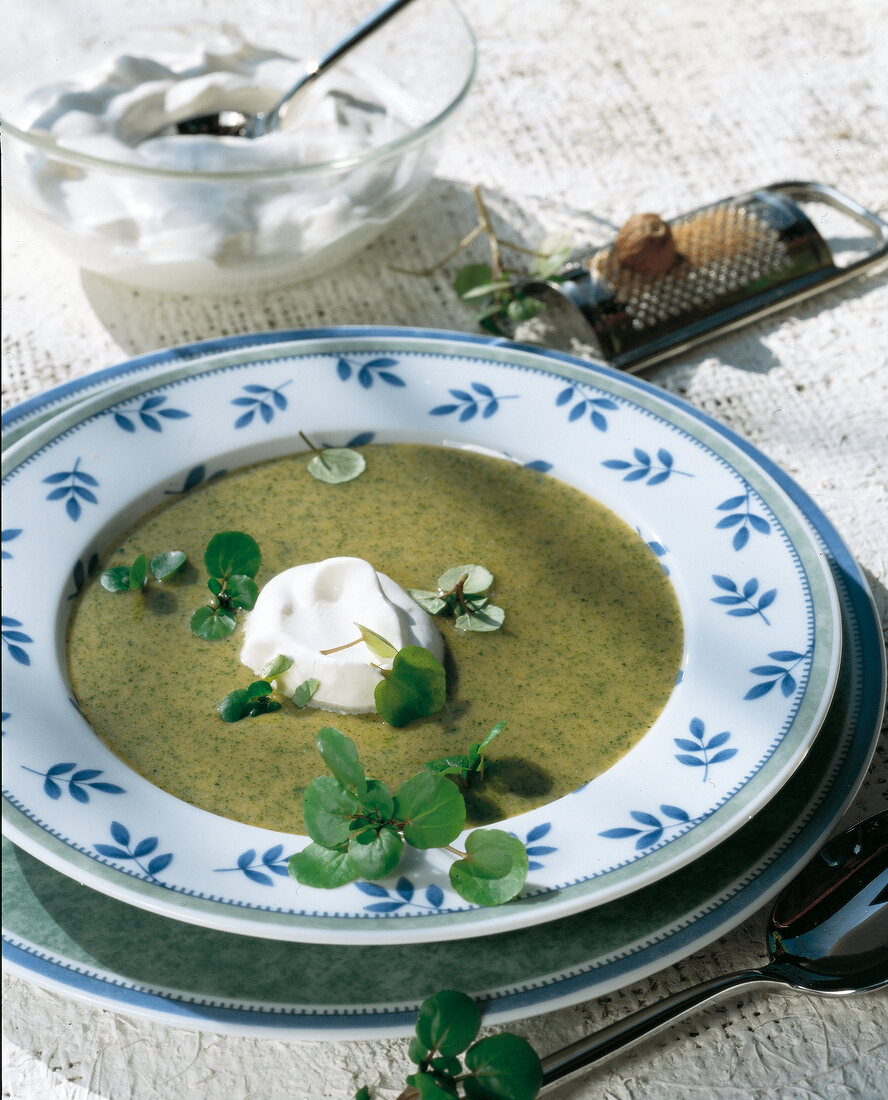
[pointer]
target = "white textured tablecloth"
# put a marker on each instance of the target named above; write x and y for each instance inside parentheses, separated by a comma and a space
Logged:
(583, 113)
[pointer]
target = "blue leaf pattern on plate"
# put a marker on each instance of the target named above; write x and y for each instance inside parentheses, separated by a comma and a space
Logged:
(695, 753)
(80, 573)
(195, 476)
(653, 829)
(367, 373)
(468, 405)
(404, 894)
(539, 464)
(262, 400)
(579, 408)
(14, 639)
(741, 516)
(77, 783)
(7, 535)
(79, 489)
(644, 469)
(148, 413)
(536, 851)
(741, 601)
(781, 673)
(123, 849)
(273, 860)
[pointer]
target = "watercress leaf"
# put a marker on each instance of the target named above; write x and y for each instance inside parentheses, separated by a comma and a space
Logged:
(432, 808)
(449, 765)
(116, 579)
(417, 1051)
(304, 692)
(446, 1064)
(138, 573)
(259, 689)
(495, 732)
(484, 290)
(414, 687)
(321, 867)
(335, 465)
(164, 565)
(241, 591)
(494, 869)
(377, 798)
(230, 553)
(328, 809)
(376, 855)
(235, 705)
(214, 586)
(471, 276)
(363, 1093)
(448, 1021)
(490, 618)
(478, 579)
(503, 1067)
(428, 601)
(275, 666)
(341, 757)
(379, 646)
(429, 1086)
(211, 623)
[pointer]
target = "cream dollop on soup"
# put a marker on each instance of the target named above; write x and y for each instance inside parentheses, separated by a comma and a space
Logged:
(310, 612)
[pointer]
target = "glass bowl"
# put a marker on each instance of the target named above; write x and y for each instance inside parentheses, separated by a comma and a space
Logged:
(240, 215)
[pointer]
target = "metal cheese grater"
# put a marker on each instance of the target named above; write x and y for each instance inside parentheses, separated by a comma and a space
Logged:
(737, 259)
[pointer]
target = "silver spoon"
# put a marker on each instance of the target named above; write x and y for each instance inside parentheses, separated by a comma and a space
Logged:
(828, 934)
(230, 123)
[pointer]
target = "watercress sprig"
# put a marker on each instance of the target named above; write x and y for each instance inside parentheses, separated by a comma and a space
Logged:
(498, 1067)
(248, 702)
(414, 687)
(334, 465)
(359, 829)
(468, 766)
(232, 560)
(463, 592)
(135, 577)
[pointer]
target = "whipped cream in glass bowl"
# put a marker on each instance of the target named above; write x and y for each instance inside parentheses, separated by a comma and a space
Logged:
(217, 215)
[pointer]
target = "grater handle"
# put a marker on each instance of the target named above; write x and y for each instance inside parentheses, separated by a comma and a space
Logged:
(809, 191)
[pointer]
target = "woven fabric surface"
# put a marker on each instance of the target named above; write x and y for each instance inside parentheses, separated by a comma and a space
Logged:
(581, 115)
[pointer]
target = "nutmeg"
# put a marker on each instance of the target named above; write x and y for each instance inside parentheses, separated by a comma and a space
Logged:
(645, 244)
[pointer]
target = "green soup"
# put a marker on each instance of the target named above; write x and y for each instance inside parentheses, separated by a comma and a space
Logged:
(588, 655)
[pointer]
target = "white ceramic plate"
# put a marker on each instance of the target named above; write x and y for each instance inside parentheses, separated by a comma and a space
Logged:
(762, 625)
(65, 937)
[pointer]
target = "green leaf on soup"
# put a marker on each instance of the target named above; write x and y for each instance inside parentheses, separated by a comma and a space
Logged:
(138, 573)
(116, 579)
(235, 705)
(428, 601)
(448, 1021)
(429, 1086)
(379, 646)
(164, 565)
(489, 617)
(275, 666)
(259, 689)
(321, 867)
(377, 799)
(414, 687)
(374, 854)
(241, 591)
(212, 623)
(494, 868)
(328, 809)
(503, 1067)
(305, 691)
(432, 808)
(335, 465)
(341, 757)
(232, 552)
(478, 579)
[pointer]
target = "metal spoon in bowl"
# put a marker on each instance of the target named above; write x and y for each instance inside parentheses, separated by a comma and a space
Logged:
(828, 934)
(230, 123)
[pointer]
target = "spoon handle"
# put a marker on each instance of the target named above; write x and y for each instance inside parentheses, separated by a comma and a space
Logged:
(376, 18)
(615, 1037)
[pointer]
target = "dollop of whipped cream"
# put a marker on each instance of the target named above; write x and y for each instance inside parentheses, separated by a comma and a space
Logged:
(314, 607)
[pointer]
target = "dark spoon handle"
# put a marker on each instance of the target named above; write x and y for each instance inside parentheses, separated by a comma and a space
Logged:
(617, 1036)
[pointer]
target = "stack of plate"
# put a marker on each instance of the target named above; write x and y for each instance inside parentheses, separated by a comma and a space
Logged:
(119, 893)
